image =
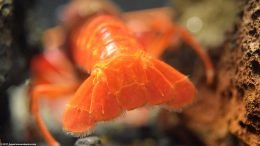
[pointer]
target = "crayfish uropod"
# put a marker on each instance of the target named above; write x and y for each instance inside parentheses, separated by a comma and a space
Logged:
(125, 73)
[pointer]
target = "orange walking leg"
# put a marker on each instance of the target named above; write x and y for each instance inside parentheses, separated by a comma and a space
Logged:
(190, 40)
(162, 41)
(154, 29)
(50, 91)
(52, 77)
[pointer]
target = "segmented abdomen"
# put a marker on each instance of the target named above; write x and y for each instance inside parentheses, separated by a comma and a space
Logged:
(100, 38)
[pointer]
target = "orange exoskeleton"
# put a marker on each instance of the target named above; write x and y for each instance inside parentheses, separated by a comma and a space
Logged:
(122, 61)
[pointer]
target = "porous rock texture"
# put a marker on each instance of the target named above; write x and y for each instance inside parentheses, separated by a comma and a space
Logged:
(229, 113)
(240, 68)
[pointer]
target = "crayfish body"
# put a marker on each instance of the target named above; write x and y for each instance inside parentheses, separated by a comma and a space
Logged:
(124, 73)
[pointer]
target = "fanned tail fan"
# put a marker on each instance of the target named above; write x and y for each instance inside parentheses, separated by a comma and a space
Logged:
(126, 83)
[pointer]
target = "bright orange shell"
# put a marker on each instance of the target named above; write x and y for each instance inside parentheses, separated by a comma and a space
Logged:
(123, 76)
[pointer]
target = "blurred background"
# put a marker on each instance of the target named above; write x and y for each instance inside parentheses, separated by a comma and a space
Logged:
(209, 21)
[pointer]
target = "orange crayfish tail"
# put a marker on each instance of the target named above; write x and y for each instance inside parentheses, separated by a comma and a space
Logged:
(77, 119)
(168, 86)
(138, 79)
(90, 104)
(125, 82)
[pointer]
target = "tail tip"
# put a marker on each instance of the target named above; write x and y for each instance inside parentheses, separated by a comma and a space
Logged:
(77, 122)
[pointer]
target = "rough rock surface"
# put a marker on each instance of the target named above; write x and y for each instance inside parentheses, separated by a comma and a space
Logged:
(240, 67)
(229, 113)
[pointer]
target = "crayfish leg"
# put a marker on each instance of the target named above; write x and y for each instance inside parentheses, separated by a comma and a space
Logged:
(52, 77)
(39, 91)
(155, 25)
(190, 40)
(152, 25)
